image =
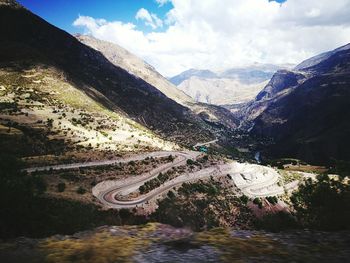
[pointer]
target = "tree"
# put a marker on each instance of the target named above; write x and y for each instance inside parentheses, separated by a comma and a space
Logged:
(323, 203)
(142, 189)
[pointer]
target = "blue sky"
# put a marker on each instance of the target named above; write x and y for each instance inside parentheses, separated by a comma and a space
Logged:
(206, 34)
(62, 13)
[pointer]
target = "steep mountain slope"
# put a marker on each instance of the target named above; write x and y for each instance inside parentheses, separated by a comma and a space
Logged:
(319, 58)
(281, 83)
(135, 66)
(41, 113)
(306, 112)
(213, 116)
(229, 87)
(30, 42)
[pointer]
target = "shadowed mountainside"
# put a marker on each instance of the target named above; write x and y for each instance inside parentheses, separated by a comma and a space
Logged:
(214, 116)
(306, 111)
(31, 41)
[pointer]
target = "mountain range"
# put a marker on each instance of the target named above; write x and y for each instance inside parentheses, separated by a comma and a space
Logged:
(140, 69)
(305, 110)
(58, 90)
(51, 79)
(102, 151)
(226, 87)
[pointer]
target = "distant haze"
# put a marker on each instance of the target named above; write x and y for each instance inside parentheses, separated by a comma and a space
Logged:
(227, 87)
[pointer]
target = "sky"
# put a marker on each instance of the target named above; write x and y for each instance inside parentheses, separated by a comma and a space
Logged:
(176, 35)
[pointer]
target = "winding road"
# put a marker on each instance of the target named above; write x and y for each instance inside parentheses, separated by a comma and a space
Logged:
(253, 180)
(138, 157)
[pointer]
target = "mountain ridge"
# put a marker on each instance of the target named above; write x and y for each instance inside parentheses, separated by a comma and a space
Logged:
(305, 111)
(41, 43)
(213, 116)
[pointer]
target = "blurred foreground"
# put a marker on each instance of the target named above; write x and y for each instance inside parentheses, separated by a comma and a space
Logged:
(163, 243)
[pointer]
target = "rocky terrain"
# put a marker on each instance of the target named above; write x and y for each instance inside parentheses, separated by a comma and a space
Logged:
(305, 110)
(122, 58)
(31, 44)
(105, 160)
(162, 243)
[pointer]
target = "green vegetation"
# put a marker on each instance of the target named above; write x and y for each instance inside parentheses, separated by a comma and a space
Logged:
(171, 158)
(192, 188)
(277, 222)
(155, 182)
(272, 200)
(257, 201)
(190, 162)
(23, 141)
(49, 123)
(323, 203)
(280, 163)
(61, 187)
(244, 199)
(202, 205)
(288, 177)
(27, 211)
(81, 190)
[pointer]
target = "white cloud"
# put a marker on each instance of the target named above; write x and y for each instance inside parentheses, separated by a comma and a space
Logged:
(150, 19)
(217, 34)
(162, 2)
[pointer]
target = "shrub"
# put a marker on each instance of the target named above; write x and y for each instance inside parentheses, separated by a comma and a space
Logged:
(49, 123)
(171, 158)
(272, 199)
(61, 187)
(244, 199)
(258, 202)
(324, 203)
(189, 162)
(276, 222)
(81, 190)
(171, 194)
(142, 189)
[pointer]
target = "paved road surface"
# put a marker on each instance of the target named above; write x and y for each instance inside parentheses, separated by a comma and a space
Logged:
(137, 157)
(253, 180)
